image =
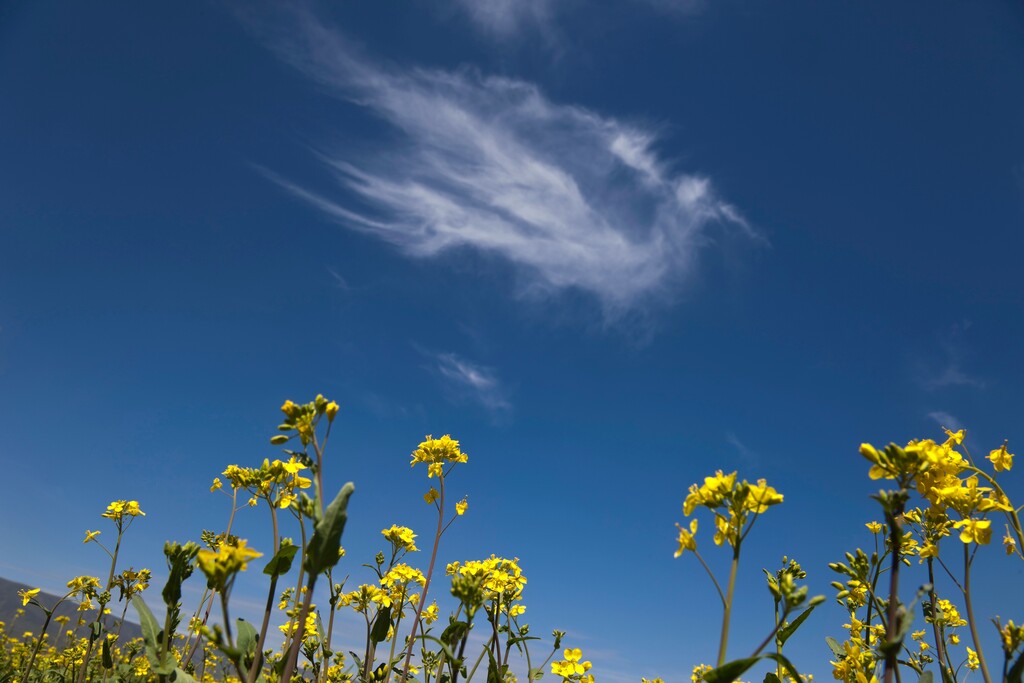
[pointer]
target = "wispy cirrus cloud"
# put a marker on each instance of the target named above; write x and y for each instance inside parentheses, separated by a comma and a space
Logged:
(945, 420)
(505, 18)
(479, 382)
(573, 200)
(949, 372)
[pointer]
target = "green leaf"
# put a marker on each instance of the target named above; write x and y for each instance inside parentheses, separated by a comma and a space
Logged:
(495, 673)
(785, 663)
(536, 674)
(179, 676)
(905, 619)
(153, 637)
(447, 650)
(246, 641)
(926, 677)
(454, 632)
(108, 662)
(836, 648)
(322, 552)
(790, 628)
(1015, 672)
(730, 671)
(381, 625)
(770, 677)
(282, 560)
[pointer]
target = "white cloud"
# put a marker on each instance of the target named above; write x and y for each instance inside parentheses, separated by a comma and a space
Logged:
(953, 376)
(507, 17)
(945, 420)
(747, 455)
(478, 381)
(950, 372)
(570, 198)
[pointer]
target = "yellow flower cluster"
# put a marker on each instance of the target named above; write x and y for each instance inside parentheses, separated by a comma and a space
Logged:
(436, 452)
(739, 499)
(937, 471)
(226, 561)
(119, 509)
(275, 481)
(571, 669)
(401, 537)
(502, 579)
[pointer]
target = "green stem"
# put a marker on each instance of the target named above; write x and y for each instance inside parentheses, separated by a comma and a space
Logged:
(257, 663)
(426, 583)
(293, 650)
(940, 645)
(707, 569)
(394, 639)
(970, 613)
(724, 641)
(891, 627)
(39, 644)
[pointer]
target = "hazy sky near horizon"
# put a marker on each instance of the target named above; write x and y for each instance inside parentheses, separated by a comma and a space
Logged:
(610, 247)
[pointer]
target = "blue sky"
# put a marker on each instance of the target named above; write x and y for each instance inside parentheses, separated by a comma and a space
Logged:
(610, 248)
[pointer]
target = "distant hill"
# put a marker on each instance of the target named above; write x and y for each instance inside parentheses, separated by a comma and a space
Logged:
(33, 618)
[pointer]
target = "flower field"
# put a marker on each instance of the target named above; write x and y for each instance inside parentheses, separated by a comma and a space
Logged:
(439, 620)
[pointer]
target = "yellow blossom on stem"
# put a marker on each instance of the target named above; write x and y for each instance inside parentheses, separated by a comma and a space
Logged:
(445, 449)
(698, 672)
(686, 538)
(975, 530)
(1002, 460)
(119, 509)
(27, 594)
(227, 560)
(402, 537)
(571, 666)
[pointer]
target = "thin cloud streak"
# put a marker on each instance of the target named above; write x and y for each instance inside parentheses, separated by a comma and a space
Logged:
(505, 18)
(480, 382)
(571, 199)
(945, 420)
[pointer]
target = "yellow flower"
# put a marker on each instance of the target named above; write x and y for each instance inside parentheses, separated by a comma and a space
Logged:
(431, 613)
(445, 449)
(571, 665)
(27, 594)
(698, 672)
(956, 437)
(431, 495)
(402, 537)
(90, 535)
(119, 509)
(226, 561)
(761, 496)
(403, 574)
(874, 527)
(972, 660)
(216, 484)
(1009, 542)
(975, 530)
(1001, 459)
(331, 411)
(686, 538)
(461, 506)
